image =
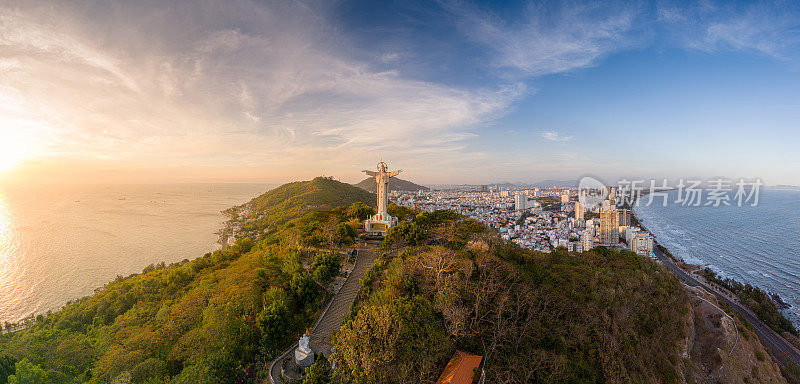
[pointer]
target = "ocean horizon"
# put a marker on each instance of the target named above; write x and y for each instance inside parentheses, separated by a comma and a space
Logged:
(59, 242)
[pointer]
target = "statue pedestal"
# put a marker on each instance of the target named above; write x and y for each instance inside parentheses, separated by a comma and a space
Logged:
(378, 225)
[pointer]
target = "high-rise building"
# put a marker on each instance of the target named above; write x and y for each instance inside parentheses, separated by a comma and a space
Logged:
(587, 240)
(609, 226)
(578, 210)
(484, 188)
(590, 227)
(505, 193)
(629, 232)
(624, 218)
(564, 198)
(642, 244)
(520, 201)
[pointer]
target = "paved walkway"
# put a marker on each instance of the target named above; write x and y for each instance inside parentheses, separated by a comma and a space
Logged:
(332, 317)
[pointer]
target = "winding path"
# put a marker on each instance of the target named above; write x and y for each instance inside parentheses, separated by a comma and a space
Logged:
(331, 318)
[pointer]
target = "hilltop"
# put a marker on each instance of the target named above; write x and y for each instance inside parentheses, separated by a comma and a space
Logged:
(442, 282)
(395, 184)
(320, 193)
(292, 200)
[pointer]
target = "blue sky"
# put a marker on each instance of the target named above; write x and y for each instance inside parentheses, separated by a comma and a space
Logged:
(450, 91)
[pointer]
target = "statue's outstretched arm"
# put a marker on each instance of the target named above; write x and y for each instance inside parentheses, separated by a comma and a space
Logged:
(371, 173)
(395, 173)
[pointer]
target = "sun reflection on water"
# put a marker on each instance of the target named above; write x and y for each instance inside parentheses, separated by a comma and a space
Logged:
(8, 256)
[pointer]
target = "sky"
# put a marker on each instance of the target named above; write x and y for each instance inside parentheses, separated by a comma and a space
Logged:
(448, 91)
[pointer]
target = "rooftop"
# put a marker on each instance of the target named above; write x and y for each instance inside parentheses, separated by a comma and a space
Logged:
(461, 369)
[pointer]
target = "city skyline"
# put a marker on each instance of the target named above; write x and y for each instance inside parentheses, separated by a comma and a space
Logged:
(519, 92)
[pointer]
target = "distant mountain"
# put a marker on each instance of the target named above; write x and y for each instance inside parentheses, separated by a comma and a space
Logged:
(514, 185)
(556, 183)
(784, 187)
(395, 184)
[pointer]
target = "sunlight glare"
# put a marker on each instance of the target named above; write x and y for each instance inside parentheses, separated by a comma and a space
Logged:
(12, 148)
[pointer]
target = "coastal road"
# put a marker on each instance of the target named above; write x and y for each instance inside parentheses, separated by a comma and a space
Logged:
(774, 342)
(331, 318)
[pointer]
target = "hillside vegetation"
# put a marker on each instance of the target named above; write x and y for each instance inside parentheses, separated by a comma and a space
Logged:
(443, 283)
(215, 319)
(292, 200)
(599, 316)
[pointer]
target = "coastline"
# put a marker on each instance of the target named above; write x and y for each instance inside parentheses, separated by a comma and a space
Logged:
(697, 263)
(226, 230)
(780, 348)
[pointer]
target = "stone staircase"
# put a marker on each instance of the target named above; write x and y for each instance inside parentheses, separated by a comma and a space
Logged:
(330, 321)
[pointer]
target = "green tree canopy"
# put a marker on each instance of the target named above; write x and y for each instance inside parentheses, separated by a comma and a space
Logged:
(344, 234)
(360, 211)
(319, 372)
(405, 231)
(27, 373)
(326, 266)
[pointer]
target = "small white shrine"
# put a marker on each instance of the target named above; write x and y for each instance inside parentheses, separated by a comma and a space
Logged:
(303, 355)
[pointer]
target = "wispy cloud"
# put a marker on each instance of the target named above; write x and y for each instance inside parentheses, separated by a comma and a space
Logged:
(555, 136)
(553, 37)
(767, 27)
(231, 82)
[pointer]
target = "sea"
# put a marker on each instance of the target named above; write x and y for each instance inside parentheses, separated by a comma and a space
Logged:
(61, 242)
(759, 245)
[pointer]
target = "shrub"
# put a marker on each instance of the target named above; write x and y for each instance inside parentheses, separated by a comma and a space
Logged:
(344, 234)
(326, 266)
(274, 319)
(302, 288)
(360, 211)
(406, 231)
(148, 369)
(319, 372)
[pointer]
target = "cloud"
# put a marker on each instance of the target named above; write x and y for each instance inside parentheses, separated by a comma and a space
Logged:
(555, 136)
(768, 27)
(222, 84)
(390, 57)
(552, 37)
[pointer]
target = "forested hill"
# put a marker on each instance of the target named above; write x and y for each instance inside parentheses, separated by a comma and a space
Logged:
(395, 184)
(292, 200)
(319, 193)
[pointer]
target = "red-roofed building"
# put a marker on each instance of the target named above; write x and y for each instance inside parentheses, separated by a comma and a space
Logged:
(463, 368)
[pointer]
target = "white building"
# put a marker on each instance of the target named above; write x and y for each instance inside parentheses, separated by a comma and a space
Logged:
(629, 234)
(642, 244)
(587, 240)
